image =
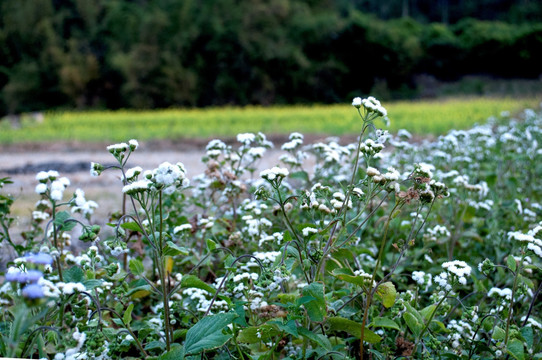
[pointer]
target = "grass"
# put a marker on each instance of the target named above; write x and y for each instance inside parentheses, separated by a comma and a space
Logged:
(419, 117)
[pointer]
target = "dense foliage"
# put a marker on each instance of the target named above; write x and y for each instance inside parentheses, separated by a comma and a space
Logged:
(144, 54)
(429, 251)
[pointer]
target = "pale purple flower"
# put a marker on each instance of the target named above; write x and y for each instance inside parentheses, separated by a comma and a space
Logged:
(39, 258)
(33, 291)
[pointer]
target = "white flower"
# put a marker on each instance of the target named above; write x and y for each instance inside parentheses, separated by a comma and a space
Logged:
(182, 227)
(356, 102)
(273, 173)
(41, 188)
(308, 231)
(457, 267)
(371, 171)
(42, 176)
(246, 138)
(133, 172)
(137, 186)
(56, 195)
(133, 144)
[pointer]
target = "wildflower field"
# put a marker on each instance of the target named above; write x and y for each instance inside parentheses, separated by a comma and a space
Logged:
(423, 117)
(379, 249)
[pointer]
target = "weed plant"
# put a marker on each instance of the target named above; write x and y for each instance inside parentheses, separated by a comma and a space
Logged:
(380, 249)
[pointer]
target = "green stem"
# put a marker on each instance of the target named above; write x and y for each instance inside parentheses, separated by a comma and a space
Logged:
(373, 291)
(511, 309)
(426, 326)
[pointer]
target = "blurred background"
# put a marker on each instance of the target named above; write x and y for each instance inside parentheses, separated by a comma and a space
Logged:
(143, 54)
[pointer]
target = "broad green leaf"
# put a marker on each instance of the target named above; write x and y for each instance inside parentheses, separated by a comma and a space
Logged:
(316, 308)
(92, 283)
(127, 317)
(139, 291)
(511, 262)
(255, 334)
(172, 249)
(290, 327)
(136, 266)
(498, 333)
(515, 349)
(191, 281)
(314, 338)
(74, 274)
(211, 245)
(413, 324)
(414, 312)
(176, 353)
(353, 328)
(132, 225)
(427, 311)
(60, 221)
(527, 333)
(387, 293)
(385, 323)
(207, 334)
(153, 345)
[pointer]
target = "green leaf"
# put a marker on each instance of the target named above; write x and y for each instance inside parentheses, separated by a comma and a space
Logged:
(136, 267)
(191, 281)
(321, 341)
(414, 312)
(127, 317)
(139, 291)
(92, 283)
(515, 348)
(527, 333)
(428, 311)
(255, 334)
(498, 333)
(387, 293)
(211, 245)
(61, 221)
(413, 324)
(176, 353)
(133, 226)
(74, 274)
(384, 322)
(172, 249)
(316, 308)
(347, 276)
(207, 334)
(511, 262)
(353, 328)
(153, 345)
(289, 327)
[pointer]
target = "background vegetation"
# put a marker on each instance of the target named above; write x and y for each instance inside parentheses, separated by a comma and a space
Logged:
(163, 53)
(420, 117)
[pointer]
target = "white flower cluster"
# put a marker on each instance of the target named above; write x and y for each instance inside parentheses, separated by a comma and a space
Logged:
(438, 232)
(370, 104)
(455, 270)
(423, 279)
(534, 244)
(369, 147)
(82, 205)
(166, 177)
(51, 183)
(275, 173)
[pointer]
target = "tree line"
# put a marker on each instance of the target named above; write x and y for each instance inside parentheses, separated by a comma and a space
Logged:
(164, 53)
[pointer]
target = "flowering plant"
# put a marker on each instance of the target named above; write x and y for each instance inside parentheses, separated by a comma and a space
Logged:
(379, 249)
